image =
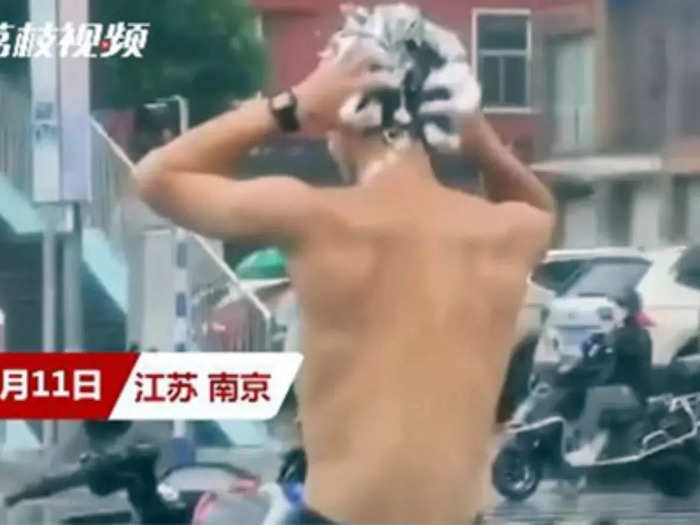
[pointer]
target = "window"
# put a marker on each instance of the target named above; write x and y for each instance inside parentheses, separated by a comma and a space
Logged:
(556, 274)
(572, 87)
(502, 45)
(608, 278)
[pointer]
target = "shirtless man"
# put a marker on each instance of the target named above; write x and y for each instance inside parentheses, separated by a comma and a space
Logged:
(409, 293)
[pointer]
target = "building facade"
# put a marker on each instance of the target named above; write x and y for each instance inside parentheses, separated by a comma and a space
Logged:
(616, 91)
(598, 94)
(499, 36)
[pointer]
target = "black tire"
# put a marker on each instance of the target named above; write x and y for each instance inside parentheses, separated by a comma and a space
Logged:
(515, 473)
(515, 387)
(674, 473)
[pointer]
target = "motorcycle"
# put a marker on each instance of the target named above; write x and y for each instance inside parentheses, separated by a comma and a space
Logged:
(196, 493)
(658, 435)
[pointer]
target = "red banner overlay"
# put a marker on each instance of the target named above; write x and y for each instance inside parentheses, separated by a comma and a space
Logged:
(62, 385)
(146, 386)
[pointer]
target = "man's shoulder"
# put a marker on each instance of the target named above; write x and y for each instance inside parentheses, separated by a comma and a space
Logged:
(524, 217)
(528, 229)
(516, 216)
(336, 208)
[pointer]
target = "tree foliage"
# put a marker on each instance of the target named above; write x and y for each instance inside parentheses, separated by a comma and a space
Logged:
(206, 50)
(14, 13)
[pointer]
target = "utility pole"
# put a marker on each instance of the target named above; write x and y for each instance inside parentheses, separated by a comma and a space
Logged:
(181, 289)
(46, 180)
(60, 115)
(183, 315)
(72, 296)
(48, 261)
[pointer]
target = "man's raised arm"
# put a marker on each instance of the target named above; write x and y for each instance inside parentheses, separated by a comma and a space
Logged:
(186, 180)
(505, 177)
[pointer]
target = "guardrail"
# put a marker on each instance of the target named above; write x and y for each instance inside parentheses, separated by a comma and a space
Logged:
(224, 314)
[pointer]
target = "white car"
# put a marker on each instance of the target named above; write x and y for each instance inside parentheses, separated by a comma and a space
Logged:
(550, 278)
(669, 309)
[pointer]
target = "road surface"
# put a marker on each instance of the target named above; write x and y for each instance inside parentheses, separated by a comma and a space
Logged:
(630, 502)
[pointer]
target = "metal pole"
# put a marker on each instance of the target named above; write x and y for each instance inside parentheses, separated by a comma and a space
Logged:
(72, 307)
(182, 291)
(48, 318)
(72, 297)
(184, 112)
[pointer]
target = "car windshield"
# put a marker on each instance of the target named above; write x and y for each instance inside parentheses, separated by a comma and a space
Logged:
(607, 278)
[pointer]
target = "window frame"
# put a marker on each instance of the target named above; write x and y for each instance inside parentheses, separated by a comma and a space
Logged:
(580, 262)
(475, 54)
(566, 291)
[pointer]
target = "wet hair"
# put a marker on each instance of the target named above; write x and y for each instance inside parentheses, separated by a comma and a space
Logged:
(417, 48)
(425, 59)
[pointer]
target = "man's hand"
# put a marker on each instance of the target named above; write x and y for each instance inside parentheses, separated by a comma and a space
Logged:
(350, 67)
(506, 178)
(451, 95)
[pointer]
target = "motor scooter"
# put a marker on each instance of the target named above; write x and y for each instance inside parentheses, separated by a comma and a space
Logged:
(659, 435)
(196, 493)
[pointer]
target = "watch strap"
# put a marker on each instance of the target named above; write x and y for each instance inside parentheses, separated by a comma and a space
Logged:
(286, 116)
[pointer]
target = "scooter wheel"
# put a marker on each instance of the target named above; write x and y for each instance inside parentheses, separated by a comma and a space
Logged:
(674, 473)
(515, 473)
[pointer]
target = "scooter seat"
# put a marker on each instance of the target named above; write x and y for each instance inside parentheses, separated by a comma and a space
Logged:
(619, 405)
(657, 407)
(614, 417)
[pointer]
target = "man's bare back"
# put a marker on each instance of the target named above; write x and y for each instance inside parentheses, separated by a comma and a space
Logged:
(410, 293)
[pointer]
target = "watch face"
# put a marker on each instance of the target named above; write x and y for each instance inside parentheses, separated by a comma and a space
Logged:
(281, 101)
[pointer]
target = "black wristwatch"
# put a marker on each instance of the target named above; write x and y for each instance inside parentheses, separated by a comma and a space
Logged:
(284, 109)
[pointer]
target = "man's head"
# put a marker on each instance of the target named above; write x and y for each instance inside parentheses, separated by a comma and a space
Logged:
(425, 62)
(341, 150)
(351, 149)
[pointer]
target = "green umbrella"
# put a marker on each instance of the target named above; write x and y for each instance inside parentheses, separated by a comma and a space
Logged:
(269, 263)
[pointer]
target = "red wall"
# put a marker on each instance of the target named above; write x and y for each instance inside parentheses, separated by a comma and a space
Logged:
(296, 30)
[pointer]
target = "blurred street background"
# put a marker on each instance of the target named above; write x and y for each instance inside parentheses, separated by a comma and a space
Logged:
(599, 97)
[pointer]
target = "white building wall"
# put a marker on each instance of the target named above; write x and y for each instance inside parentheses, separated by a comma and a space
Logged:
(649, 214)
(586, 219)
(694, 210)
(603, 204)
(592, 221)
(580, 223)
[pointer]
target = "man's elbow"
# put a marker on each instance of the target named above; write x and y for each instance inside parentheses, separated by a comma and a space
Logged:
(150, 177)
(548, 204)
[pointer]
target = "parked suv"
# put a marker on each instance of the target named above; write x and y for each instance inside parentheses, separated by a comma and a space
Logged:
(583, 305)
(551, 277)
